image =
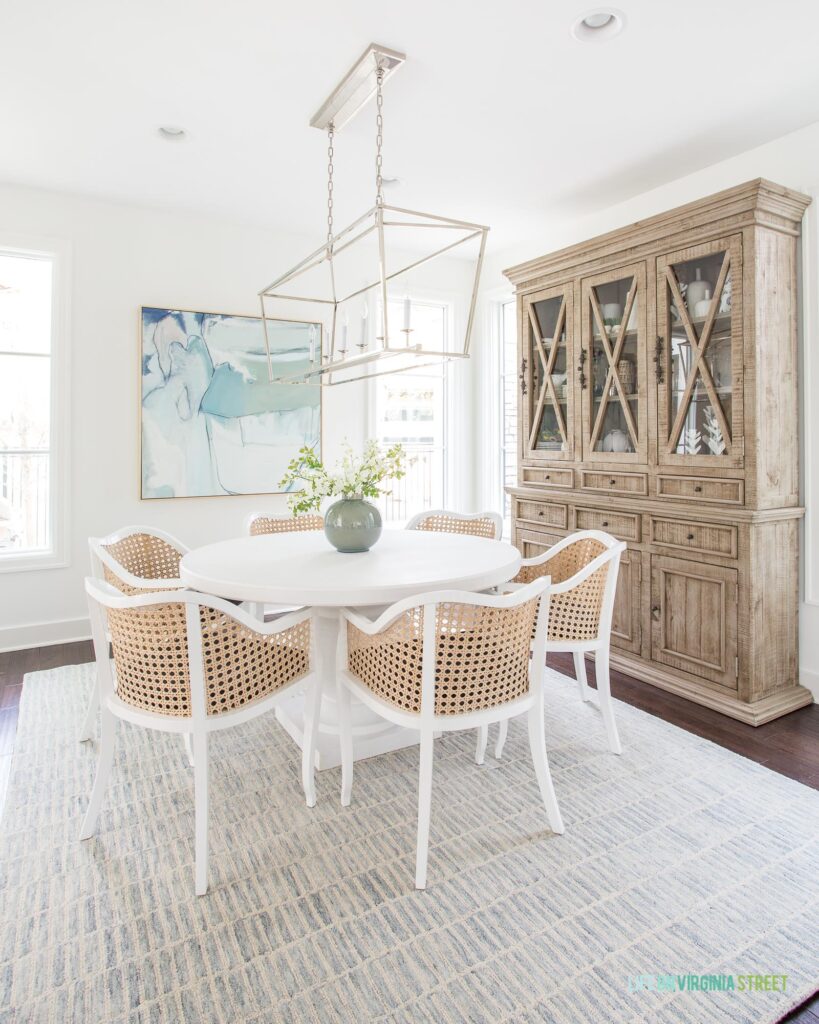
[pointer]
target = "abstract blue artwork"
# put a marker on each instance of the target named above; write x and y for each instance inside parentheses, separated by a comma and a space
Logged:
(211, 422)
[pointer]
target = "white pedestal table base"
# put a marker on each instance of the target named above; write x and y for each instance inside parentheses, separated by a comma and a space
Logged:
(372, 735)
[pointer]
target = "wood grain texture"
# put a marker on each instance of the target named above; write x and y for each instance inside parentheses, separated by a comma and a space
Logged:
(713, 539)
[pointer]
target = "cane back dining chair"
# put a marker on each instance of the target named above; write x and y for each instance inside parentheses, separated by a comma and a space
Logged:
(478, 524)
(583, 568)
(134, 560)
(189, 663)
(446, 661)
(260, 523)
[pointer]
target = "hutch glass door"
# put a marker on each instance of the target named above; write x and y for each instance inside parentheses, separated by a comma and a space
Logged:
(698, 358)
(611, 373)
(545, 375)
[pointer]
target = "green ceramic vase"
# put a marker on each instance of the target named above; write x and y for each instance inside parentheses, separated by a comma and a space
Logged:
(352, 525)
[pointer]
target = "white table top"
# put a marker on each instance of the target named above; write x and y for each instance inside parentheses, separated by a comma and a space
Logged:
(304, 569)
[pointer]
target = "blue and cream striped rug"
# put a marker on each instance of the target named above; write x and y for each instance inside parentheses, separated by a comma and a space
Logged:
(680, 861)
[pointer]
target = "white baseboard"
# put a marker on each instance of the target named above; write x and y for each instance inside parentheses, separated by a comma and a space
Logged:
(44, 634)
(810, 680)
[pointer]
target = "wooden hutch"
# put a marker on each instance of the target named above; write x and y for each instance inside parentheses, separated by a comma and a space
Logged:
(658, 401)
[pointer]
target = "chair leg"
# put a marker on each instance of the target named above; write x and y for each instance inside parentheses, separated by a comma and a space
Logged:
(606, 705)
(480, 746)
(108, 728)
(537, 743)
(503, 730)
(424, 808)
(200, 797)
(580, 674)
(312, 708)
(345, 737)
(90, 720)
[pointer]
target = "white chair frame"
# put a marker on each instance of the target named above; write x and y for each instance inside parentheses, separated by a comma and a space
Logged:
(99, 559)
(496, 519)
(600, 646)
(427, 722)
(199, 724)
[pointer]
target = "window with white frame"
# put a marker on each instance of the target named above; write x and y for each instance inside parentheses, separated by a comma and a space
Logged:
(508, 405)
(411, 408)
(26, 405)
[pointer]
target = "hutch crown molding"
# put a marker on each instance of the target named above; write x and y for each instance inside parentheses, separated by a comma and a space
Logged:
(658, 401)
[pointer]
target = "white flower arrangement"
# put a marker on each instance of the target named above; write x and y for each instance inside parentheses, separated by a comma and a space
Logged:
(355, 476)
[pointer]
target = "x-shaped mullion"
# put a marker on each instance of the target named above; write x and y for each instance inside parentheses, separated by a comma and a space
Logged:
(612, 375)
(698, 346)
(548, 367)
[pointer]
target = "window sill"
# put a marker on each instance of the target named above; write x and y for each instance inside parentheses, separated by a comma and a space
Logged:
(34, 560)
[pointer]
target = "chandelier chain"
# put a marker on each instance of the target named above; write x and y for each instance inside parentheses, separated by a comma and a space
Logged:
(330, 152)
(379, 134)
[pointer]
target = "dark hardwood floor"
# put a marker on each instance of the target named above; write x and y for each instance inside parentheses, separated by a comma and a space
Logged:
(790, 745)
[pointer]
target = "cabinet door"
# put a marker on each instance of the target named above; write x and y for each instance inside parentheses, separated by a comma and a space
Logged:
(546, 377)
(694, 619)
(698, 355)
(625, 623)
(612, 366)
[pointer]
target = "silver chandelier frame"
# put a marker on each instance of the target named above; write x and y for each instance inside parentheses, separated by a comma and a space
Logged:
(385, 353)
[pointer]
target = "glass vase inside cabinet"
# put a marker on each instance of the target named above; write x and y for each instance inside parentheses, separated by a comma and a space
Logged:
(545, 377)
(698, 356)
(611, 368)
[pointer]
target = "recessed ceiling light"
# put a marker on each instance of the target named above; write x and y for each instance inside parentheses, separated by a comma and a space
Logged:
(598, 24)
(172, 132)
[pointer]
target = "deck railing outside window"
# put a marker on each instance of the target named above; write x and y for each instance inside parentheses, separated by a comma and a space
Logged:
(417, 490)
(24, 500)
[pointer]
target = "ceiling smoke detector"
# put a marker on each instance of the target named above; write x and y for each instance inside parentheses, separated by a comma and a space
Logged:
(599, 24)
(172, 132)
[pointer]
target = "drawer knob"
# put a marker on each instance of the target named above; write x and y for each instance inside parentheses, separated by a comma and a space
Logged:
(540, 512)
(698, 488)
(690, 536)
(605, 522)
(612, 482)
(655, 611)
(547, 477)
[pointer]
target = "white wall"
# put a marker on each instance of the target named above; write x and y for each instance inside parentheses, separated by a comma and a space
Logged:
(793, 161)
(123, 257)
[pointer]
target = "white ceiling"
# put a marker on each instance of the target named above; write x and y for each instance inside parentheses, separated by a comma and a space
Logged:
(498, 115)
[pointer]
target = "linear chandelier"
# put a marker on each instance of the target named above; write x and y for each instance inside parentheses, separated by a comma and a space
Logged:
(363, 265)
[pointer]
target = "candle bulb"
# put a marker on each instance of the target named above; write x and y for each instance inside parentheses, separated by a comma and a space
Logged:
(364, 312)
(407, 312)
(312, 337)
(344, 329)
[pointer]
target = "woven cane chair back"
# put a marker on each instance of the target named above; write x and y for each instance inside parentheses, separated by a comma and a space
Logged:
(261, 524)
(143, 555)
(489, 525)
(150, 650)
(481, 657)
(574, 615)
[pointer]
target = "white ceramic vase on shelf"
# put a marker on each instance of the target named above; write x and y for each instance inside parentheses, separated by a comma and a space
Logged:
(697, 291)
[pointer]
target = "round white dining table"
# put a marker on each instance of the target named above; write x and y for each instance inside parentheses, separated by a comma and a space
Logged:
(304, 569)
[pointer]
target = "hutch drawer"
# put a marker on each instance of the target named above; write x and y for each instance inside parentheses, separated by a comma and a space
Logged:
(542, 513)
(704, 537)
(621, 525)
(546, 477)
(701, 488)
(531, 544)
(614, 483)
